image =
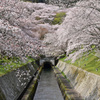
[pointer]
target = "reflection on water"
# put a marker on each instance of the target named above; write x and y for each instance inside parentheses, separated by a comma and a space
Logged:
(48, 88)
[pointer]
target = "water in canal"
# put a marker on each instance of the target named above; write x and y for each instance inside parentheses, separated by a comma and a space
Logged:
(48, 88)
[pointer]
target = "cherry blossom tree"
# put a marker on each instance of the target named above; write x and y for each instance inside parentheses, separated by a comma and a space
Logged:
(80, 30)
(14, 41)
(22, 26)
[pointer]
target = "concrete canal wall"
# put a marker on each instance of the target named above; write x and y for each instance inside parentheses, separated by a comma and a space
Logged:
(85, 83)
(13, 83)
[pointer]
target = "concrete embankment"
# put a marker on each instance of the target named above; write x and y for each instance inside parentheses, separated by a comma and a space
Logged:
(13, 83)
(85, 83)
(67, 90)
(30, 92)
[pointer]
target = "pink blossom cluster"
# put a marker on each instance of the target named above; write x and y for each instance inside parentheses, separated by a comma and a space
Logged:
(78, 32)
(23, 25)
(17, 35)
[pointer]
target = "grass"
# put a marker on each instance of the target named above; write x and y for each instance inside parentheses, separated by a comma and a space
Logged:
(62, 59)
(65, 76)
(7, 65)
(73, 51)
(93, 46)
(88, 62)
(58, 18)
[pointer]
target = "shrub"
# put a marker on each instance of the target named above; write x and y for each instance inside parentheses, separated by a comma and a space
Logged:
(37, 18)
(61, 14)
(58, 18)
(93, 46)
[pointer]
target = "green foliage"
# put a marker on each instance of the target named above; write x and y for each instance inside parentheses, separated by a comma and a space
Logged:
(62, 59)
(9, 64)
(26, 0)
(58, 18)
(88, 62)
(37, 18)
(68, 61)
(82, 46)
(61, 14)
(42, 56)
(93, 46)
(73, 51)
(65, 76)
(57, 21)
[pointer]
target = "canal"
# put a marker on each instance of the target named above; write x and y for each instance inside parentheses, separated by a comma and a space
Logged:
(48, 88)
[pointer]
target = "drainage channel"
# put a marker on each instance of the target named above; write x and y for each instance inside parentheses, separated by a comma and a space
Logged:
(48, 88)
(49, 84)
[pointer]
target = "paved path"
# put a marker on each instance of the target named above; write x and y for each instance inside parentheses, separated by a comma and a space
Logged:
(48, 88)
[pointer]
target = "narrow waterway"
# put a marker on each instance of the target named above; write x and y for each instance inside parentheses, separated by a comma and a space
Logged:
(48, 88)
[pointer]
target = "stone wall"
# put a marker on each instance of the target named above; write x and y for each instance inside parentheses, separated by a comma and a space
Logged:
(85, 83)
(13, 83)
